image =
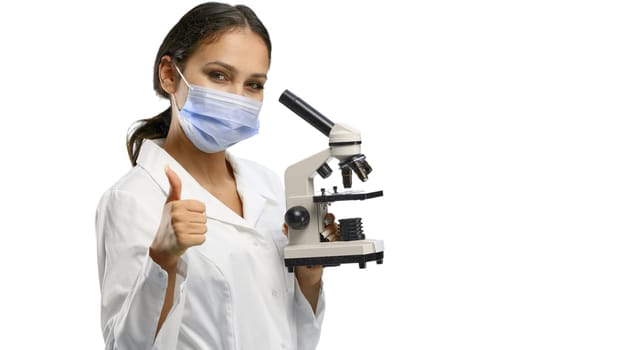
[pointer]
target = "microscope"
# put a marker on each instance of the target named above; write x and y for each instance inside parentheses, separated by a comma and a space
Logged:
(306, 209)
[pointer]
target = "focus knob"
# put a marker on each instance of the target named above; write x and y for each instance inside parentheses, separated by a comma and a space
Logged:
(297, 217)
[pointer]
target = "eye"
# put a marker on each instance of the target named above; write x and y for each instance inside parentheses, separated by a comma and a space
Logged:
(217, 76)
(255, 85)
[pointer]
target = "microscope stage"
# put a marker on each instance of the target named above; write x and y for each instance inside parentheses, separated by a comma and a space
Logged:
(345, 196)
(334, 253)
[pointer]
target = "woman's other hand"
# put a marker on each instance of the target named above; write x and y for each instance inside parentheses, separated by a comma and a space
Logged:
(312, 275)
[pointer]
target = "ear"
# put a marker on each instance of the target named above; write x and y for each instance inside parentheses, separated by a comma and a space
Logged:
(167, 74)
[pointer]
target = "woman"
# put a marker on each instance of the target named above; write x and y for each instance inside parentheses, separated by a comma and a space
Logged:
(190, 240)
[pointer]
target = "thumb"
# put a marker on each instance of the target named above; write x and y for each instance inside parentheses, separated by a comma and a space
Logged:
(174, 194)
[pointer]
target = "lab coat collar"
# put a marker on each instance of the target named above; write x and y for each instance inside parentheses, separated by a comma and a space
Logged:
(153, 158)
(253, 193)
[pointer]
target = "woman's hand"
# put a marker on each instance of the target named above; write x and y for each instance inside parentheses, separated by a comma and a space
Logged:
(182, 226)
(310, 277)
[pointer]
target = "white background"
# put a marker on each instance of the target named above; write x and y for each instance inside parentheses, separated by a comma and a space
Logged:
(493, 127)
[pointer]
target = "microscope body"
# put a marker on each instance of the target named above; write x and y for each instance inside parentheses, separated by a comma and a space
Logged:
(306, 210)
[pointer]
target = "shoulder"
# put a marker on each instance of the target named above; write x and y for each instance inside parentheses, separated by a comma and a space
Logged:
(135, 179)
(134, 186)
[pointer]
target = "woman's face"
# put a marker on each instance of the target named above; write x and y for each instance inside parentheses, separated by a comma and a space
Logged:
(237, 62)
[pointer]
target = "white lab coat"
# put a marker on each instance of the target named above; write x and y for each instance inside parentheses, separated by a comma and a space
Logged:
(233, 292)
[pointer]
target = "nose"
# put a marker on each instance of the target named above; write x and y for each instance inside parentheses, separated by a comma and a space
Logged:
(237, 89)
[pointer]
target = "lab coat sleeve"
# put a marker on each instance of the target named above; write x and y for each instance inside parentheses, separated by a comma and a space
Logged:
(308, 324)
(132, 285)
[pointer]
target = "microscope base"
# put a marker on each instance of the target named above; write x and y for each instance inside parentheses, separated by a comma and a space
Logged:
(334, 253)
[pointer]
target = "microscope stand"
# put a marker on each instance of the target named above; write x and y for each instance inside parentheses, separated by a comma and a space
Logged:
(334, 253)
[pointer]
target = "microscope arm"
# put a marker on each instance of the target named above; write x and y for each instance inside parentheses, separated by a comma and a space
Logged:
(305, 168)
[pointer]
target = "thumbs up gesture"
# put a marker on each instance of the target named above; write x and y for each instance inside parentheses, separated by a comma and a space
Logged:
(182, 226)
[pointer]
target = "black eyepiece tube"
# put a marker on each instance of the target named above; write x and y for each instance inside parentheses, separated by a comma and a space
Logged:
(306, 112)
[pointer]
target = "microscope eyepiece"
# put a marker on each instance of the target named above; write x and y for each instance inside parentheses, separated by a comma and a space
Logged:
(306, 112)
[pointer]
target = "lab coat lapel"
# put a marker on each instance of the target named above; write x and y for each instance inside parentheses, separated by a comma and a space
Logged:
(254, 195)
(254, 204)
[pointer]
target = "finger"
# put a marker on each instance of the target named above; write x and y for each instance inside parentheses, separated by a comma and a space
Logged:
(329, 219)
(194, 205)
(333, 237)
(331, 228)
(191, 240)
(196, 218)
(174, 193)
(285, 230)
(186, 216)
(184, 231)
(329, 232)
(187, 228)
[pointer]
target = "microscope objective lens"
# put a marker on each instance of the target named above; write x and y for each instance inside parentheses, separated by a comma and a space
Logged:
(346, 174)
(367, 167)
(360, 171)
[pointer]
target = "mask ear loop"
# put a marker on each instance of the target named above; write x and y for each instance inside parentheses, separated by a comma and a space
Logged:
(182, 76)
(185, 82)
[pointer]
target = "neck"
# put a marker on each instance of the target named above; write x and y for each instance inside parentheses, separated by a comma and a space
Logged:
(207, 168)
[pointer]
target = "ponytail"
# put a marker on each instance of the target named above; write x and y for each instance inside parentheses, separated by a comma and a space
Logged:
(152, 128)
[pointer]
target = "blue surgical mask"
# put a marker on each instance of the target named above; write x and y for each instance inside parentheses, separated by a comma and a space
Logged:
(214, 120)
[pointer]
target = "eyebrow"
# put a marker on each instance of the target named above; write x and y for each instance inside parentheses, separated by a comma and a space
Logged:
(233, 69)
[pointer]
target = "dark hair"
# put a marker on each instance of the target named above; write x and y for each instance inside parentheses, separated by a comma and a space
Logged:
(201, 24)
